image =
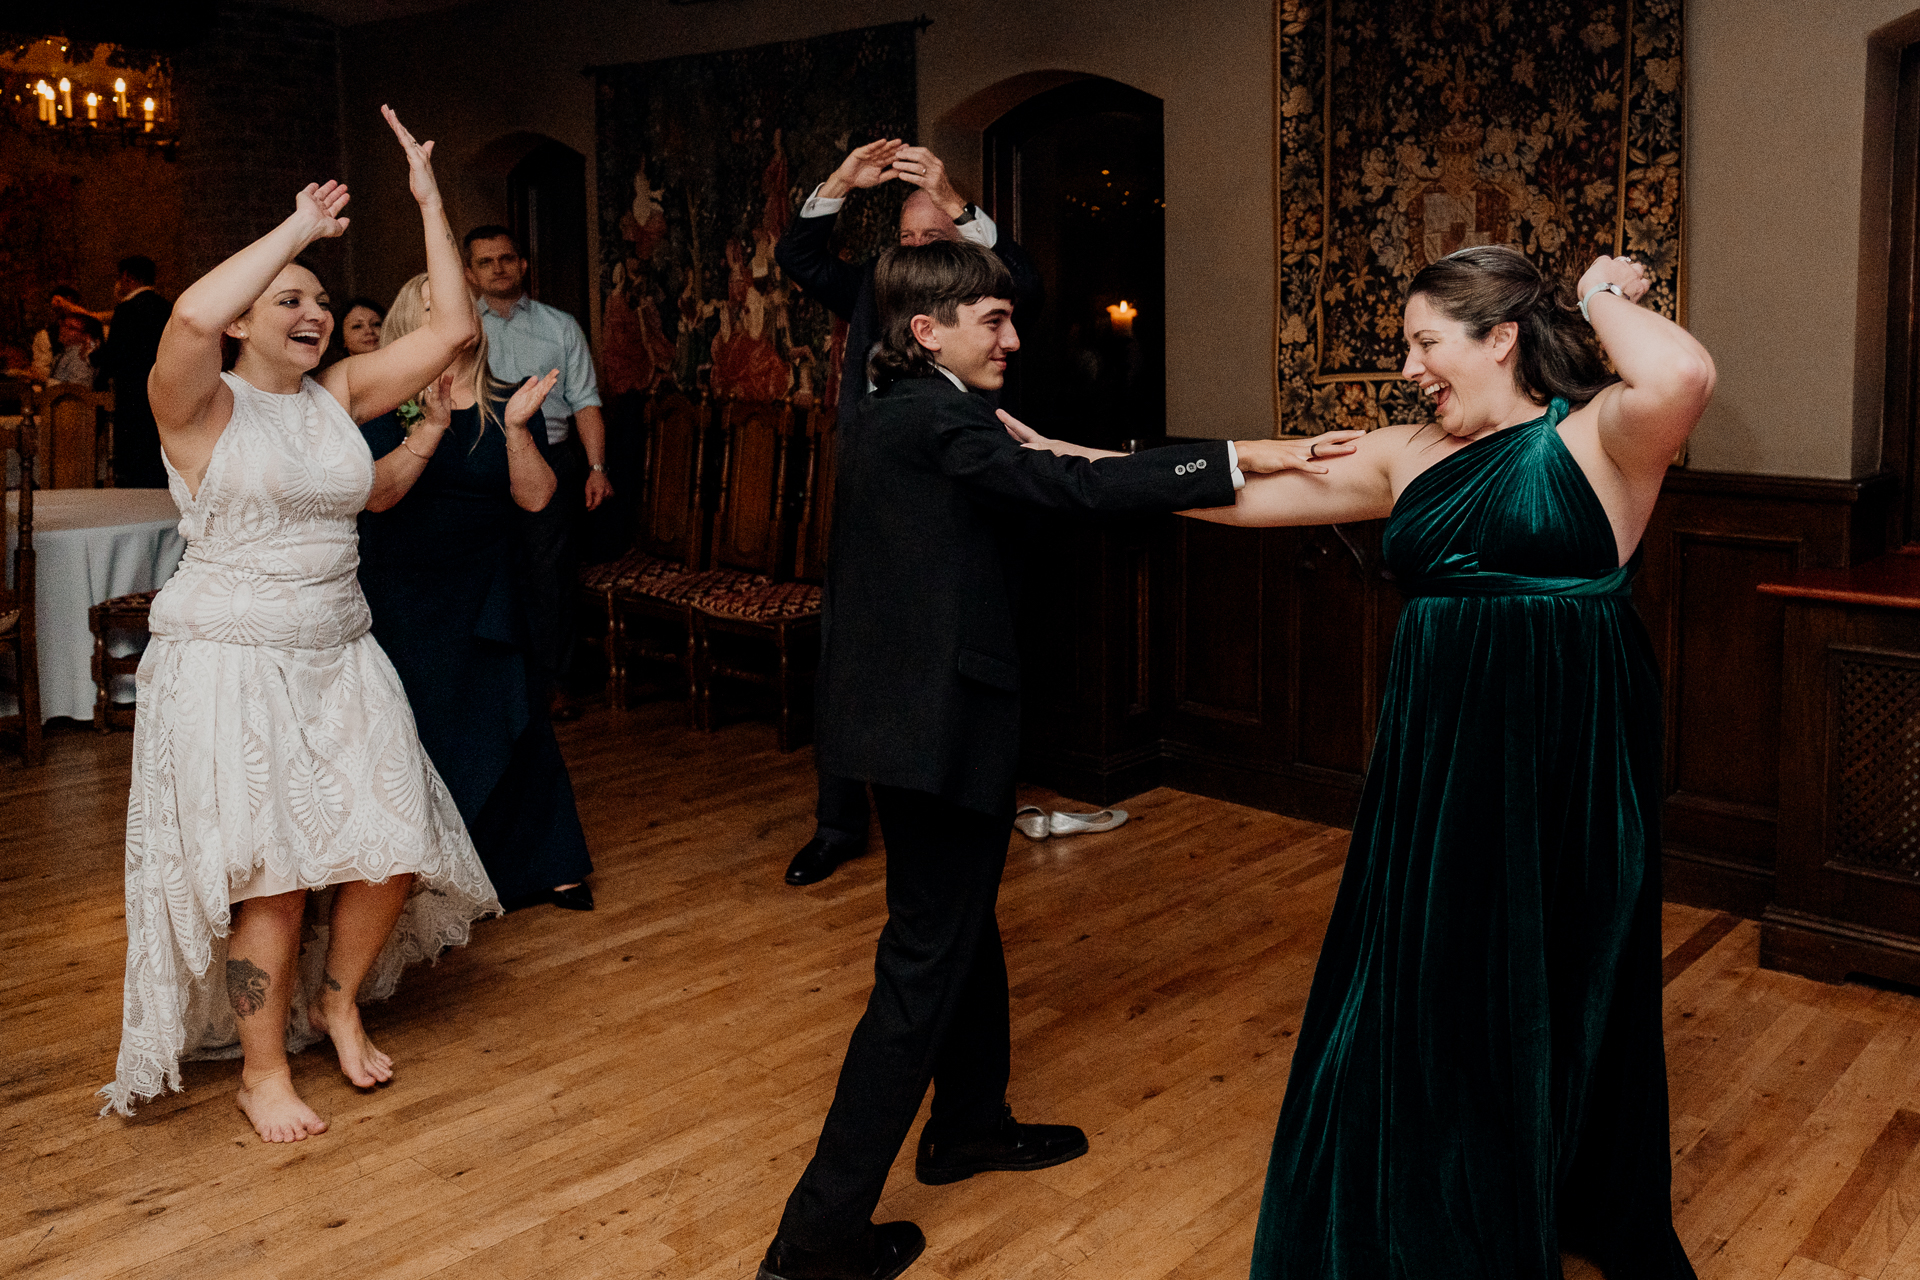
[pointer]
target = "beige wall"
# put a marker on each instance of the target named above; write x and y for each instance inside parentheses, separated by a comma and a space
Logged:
(505, 67)
(1787, 226)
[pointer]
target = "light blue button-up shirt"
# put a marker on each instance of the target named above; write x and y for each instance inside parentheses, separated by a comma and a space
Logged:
(533, 338)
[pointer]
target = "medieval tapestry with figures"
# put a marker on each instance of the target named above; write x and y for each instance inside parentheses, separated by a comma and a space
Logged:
(703, 161)
(1407, 133)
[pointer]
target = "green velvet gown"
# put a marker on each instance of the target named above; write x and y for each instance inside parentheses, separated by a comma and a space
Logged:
(1480, 1078)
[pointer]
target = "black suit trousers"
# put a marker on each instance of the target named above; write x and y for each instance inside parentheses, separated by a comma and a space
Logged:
(938, 1012)
(840, 810)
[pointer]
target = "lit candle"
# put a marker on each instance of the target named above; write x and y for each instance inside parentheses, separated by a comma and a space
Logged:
(66, 96)
(44, 92)
(1122, 316)
(120, 98)
(93, 108)
(147, 107)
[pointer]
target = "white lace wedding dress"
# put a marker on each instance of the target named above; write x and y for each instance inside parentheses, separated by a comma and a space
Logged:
(274, 748)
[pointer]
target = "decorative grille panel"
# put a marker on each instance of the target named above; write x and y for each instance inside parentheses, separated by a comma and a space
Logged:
(1877, 810)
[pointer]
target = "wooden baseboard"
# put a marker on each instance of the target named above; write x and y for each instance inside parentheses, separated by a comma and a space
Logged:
(1317, 795)
(1699, 879)
(1833, 951)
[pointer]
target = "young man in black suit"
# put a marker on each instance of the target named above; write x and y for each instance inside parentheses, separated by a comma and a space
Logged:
(919, 695)
(933, 211)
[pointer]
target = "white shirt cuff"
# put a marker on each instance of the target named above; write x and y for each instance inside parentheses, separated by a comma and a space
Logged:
(981, 230)
(819, 206)
(1233, 463)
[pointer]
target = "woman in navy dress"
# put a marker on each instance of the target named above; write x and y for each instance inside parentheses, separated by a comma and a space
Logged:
(437, 572)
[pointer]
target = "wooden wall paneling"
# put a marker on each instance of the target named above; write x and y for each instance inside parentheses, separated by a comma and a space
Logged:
(1241, 604)
(1090, 728)
(1712, 540)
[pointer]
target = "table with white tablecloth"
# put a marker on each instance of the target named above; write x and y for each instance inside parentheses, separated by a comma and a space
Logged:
(89, 545)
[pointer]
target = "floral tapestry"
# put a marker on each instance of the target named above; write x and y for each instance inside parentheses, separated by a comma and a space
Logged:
(1407, 132)
(702, 163)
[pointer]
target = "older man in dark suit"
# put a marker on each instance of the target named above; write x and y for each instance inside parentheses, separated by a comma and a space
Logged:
(919, 696)
(934, 211)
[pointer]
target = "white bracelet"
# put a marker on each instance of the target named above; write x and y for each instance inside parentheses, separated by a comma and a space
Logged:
(1613, 289)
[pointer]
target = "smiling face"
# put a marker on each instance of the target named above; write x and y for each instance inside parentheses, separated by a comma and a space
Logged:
(1470, 382)
(286, 329)
(975, 347)
(360, 331)
(922, 221)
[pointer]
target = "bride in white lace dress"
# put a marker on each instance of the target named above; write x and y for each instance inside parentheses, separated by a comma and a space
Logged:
(274, 753)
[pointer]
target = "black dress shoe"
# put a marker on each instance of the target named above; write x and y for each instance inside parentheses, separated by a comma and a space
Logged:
(1010, 1147)
(817, 859)
(881, 1254)
(577, 898)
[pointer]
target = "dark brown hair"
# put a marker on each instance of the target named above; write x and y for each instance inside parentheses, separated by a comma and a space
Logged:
(935, 280)
(1493, 284)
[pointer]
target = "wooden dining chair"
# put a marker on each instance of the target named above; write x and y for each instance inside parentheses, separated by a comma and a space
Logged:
(671, 531)
(76, 436)
(17, 635)
(757, 625)
(121, 620)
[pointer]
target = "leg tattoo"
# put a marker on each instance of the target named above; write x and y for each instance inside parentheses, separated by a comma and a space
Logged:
(333, 983)
(247, 986)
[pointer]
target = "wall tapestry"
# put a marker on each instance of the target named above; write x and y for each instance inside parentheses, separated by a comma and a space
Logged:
(1409, 132)
(703, 161)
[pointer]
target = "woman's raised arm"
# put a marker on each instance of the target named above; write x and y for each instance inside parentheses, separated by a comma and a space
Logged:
(1666, 376)
(184, 385)
(371, 384)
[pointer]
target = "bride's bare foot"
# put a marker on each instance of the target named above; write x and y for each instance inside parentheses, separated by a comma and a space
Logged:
(337, 1016)
(277, 1112)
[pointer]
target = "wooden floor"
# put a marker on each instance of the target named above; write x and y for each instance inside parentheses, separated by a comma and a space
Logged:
(633, 1092)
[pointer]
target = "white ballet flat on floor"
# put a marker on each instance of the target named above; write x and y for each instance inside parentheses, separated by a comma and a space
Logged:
(1031, 821)
(1073, 824)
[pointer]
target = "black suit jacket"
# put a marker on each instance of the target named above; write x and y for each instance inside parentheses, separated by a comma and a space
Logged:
(919, 682)
(806, 254)
(128, 354)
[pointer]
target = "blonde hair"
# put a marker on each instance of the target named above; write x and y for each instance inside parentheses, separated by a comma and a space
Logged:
(409, 312)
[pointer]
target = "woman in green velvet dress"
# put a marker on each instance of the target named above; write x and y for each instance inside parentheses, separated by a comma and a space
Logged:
(1480, 1079)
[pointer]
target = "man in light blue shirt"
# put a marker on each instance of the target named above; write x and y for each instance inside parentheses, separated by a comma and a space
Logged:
(525, 339)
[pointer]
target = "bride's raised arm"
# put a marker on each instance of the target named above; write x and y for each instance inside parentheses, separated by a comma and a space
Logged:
(371, 384)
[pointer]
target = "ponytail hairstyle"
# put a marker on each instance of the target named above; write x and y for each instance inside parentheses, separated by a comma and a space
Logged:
(935, 280)
(1491, 284)
(409, 312)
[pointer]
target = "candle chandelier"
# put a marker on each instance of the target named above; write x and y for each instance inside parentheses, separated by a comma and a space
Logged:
(67, 89)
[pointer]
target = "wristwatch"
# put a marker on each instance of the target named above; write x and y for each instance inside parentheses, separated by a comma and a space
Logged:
(966, 215)
(594, 466)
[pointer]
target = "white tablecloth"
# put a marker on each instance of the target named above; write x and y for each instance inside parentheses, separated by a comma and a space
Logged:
(90, 545)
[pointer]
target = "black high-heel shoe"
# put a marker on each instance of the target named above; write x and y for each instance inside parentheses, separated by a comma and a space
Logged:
(577, 898)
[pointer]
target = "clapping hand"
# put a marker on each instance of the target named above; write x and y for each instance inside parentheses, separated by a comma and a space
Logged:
(320, 206)
(867, 166)
(436, 405)
(526, 401)
(420, 179)
(1631, 276)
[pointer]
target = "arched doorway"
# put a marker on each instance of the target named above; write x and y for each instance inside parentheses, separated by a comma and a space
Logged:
(547, 209)
(1076, 175)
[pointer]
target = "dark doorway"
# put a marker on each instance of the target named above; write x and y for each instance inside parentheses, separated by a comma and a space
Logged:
(547, 204)
(1076, 176)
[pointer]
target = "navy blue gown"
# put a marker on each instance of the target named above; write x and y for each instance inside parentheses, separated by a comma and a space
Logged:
(437, 570)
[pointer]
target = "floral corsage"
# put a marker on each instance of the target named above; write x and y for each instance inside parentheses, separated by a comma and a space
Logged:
(410, 414)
